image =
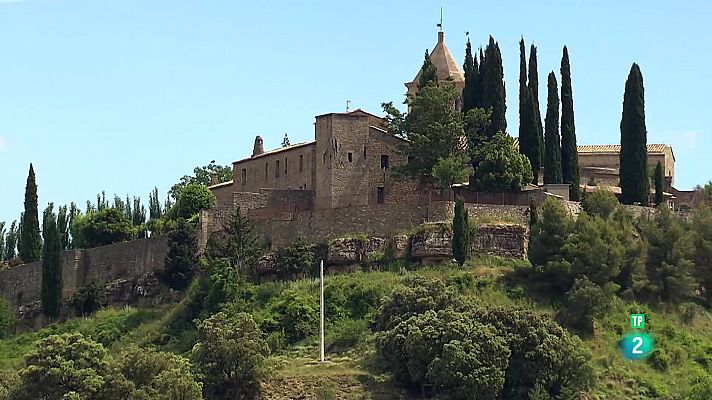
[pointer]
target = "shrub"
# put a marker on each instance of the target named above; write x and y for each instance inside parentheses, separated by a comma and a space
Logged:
(88, 299)
(191, 199)
(346, 335)
(181, 262)
(7, 319)
(102, 228)
(659, 359)
(600, 203)
(296, 314)
(296, 260)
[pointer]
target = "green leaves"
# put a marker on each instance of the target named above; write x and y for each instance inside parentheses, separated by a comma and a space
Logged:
(634, 137)
(502, 168)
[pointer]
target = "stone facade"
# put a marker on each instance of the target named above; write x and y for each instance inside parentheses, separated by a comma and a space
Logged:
(138, 258)
(601, 163)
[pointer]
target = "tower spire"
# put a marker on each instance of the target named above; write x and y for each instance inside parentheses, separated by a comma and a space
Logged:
(440, 25)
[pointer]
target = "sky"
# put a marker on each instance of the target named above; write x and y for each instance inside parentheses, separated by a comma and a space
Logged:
(125, 95)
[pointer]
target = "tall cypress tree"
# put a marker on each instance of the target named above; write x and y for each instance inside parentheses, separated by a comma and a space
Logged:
(529, 141)
(11, 241)
(569, 152)
(634, 138)
(428, 72)
(493, 92)
(523, 139)
(30, 244)
(63, 227)
(51, 265)
(461, 232)
(552, 144)
(658, 184)
(470, 93)
(534, 87)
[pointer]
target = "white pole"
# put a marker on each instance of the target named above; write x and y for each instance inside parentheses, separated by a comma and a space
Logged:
(321, 312)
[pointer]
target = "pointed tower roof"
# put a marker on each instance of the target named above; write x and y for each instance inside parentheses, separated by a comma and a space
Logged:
(447, 67)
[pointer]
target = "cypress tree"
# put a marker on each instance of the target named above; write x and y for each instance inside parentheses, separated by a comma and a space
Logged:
(63, 227)
(493, 91)
(2, 240)
(569, 152)
(461, 232)
(552, 144)
(51, 265)
(11, 241)
(534, 87)
(533, 212)
(470, 93)
(633, 155)
(529, 141)
(523, 137)
(428, 73)
(658, 184)
(30, 245)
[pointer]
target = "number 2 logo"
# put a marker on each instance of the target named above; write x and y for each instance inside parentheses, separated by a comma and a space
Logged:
(639, 342)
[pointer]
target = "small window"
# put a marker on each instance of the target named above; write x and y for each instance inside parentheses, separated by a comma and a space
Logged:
(385, 161)
(301, 163)
(324, 157)
(276, 169)
(286, 161)
(381, 195)
(266, 171)
(351, 157)
(244, 176)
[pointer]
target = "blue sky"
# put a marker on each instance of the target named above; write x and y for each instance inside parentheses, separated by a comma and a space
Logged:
(126, 95)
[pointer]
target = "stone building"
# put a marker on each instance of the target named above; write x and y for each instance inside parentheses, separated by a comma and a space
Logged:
(600, 164)
(346, 165)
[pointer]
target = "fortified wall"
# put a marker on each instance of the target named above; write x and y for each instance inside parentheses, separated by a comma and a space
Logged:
(22, 284)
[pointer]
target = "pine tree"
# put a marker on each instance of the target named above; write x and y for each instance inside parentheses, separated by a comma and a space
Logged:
(460, 232)
(658, 184)
(534, 87)
(51, 265)
(30, 242)
(181, 261)
(633, 155)
(428, 72)
(471, 94)
(569, 152)
(493, 91)
(552, 143)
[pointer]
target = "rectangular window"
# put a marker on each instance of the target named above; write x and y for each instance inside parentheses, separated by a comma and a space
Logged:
(301, 163)
(266, 171)
(351, 157)
(381, 195)
(385, 161)
(286, 160)
(244, 176)
(276, 169)
(324, 157)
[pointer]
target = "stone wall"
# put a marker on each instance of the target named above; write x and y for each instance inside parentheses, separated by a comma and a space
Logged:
(288, 168)
(223, 194)
(22, 284)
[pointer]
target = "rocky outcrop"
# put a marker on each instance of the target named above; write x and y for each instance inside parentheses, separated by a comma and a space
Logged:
(432, 244)
(400, 246)
(267, 264)
(502, 239)
(350, 251)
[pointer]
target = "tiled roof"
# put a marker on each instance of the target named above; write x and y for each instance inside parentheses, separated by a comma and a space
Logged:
(610, 148)
(445, 65)
(275, 151)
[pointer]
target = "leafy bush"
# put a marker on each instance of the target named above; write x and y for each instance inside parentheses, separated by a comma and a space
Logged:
(230, 355)
(659, 359)
(88, 299)
(101, 228)
(600, 203)
(502, 168)
(346, 335)
(296, 314)
(191, 199)
(585, 302)
(296, 260)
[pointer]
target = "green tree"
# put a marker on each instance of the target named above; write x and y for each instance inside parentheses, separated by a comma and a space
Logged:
(702, 236)
(461, 232)
(552, 142)
(669, 255)
(493, 91)
(181, 262)
(549, 235)
(193, 198)
(529, 137)
(102, 228)
(11, 241)
(67, 366)
(428, 72)
(73, 214)
(51, 265)
(594, 250)
(584, 303)
(296, 260)
(502, 167)
(237, 243)
(600, 203)
(63, 227)
(471, 93)
(433, 129)
(523, 92)
(201, 175)
(451, 170)
(534, 105)
(569, 152)
(296, 315)
(533, 212)
(477, 121)
(154, 205)
(230, 356)
(658, 184)
(2, 240)
(30, 245)
(634, 138)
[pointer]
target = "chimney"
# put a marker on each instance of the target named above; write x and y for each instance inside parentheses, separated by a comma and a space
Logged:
(213, 178)
(259, 147)
(441, 37)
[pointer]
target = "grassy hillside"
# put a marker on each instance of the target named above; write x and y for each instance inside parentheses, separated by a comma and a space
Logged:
(352, 370)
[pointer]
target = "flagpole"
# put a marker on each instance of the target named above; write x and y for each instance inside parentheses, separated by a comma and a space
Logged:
(321, 312)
